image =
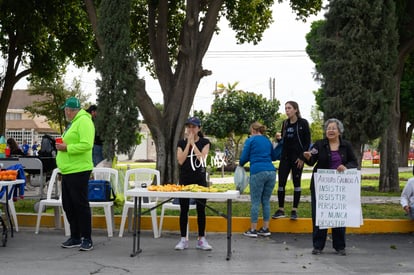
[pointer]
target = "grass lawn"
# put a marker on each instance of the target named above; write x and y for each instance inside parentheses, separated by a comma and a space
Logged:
(369, 187)
(242, 209)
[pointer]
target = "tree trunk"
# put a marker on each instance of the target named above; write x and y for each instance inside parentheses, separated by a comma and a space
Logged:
(10, 80)
(167, 127)
(4, 104)
(404, 135)
(389, 178)
(179, 86)
(166, 159)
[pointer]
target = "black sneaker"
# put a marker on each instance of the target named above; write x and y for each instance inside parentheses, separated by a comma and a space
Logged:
(278, 214)
(316, 251)
(341, 252)
(293, 215)
(71, 243)
(250, 233)
(86, 245)
(264, 232)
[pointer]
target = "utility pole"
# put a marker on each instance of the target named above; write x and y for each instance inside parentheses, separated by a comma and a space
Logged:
(272, 88)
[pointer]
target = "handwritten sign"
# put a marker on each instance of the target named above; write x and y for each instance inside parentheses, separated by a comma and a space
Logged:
(338, 198)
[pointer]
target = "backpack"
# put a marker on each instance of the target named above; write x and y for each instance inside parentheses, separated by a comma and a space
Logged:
(47, 147)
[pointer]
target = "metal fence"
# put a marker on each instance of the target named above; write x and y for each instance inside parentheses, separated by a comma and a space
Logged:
(30, 136)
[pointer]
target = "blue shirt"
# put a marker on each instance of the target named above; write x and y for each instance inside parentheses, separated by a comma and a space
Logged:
(258, 150)
(25, 148)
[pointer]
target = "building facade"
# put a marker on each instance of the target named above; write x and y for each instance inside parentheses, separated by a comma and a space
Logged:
(20, 124)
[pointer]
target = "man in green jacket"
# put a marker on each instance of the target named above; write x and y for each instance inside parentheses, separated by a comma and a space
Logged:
(74, 159)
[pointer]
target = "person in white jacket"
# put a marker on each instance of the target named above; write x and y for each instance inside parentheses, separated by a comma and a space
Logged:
(407, 198)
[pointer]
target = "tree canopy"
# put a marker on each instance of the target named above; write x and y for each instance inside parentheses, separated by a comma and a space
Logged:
(53, 94)
(38, 39)
(355, 51)
(232, 114)
(171, 38)
(117, 119)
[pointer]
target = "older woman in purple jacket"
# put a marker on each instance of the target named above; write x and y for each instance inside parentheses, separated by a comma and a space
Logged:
(332, 152)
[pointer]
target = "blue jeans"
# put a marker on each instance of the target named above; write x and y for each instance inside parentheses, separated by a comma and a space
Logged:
(261, 188)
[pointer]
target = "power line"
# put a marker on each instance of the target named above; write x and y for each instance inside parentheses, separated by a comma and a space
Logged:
(254, 51)
(256, 54)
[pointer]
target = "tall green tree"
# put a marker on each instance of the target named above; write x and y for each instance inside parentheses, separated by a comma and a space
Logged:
(406, 126)
(394, 138)
(38, 38)
(389, 179)
(171, 38)
(232, 114)
(356, 54)
(117, 122)
(52, 96)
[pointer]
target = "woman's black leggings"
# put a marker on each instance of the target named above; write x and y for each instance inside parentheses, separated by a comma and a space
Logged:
(285, 166)
(201, 216)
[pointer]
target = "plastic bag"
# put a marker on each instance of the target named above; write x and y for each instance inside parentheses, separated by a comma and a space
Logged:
(241, 180)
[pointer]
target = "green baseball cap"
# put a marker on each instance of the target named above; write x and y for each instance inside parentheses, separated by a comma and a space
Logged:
(71, 102)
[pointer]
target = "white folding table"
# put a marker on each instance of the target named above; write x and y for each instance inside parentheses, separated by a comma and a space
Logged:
(139, 193)
(7, 184)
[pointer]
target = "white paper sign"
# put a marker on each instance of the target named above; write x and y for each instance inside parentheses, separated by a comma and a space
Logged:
(338, 198)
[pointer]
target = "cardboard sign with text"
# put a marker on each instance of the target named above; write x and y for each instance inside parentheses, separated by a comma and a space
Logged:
(338, 198)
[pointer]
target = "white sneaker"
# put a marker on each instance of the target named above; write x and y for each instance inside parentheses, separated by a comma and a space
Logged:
(182, 244)
(203, 244)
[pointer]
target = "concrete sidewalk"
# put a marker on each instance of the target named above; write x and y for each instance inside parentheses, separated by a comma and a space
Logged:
(307, 174)
(28, 253)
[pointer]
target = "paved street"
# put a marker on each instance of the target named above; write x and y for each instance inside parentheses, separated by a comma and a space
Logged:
(282, 253)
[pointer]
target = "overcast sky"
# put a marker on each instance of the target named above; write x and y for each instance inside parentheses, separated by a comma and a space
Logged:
(280, 55)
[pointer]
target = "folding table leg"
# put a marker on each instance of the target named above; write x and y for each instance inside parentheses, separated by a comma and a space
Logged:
(137, 227)
(229, 220)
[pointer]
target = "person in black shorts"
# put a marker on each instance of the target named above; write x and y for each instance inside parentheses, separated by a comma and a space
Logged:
(191, 154)
(296, 140)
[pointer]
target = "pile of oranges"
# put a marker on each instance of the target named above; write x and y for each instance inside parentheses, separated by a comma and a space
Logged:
(8, 175)
(189, 188)
(165, 188)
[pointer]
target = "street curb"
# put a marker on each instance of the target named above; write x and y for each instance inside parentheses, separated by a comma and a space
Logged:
(239, 224)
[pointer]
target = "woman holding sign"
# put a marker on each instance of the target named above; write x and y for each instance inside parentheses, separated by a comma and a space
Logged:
(332, 152)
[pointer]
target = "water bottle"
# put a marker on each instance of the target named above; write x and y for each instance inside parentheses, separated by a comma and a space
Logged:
(3, 146)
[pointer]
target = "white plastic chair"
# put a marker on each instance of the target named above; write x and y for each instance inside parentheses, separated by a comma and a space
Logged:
(56, 202)
(172, 206)
(12, 210)
(111, 175)
(134, 178)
